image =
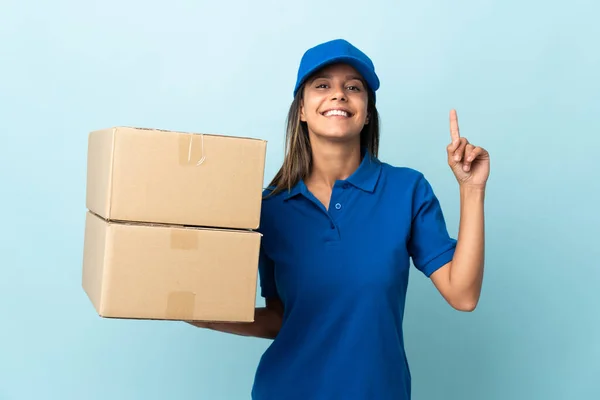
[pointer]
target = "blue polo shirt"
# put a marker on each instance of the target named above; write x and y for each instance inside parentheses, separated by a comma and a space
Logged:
(342, 276)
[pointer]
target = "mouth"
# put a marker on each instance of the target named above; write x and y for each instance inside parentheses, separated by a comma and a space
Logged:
(337, 112)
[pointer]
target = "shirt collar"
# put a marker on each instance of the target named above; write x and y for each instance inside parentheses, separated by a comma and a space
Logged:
(367, 174)
(300, 187)
(364, 178)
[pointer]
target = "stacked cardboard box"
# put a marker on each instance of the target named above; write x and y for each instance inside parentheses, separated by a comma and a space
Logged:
(170, 223)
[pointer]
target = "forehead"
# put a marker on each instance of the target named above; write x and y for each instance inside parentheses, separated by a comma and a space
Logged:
(343, 71)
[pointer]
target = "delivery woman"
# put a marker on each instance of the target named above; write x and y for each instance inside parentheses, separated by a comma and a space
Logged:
(339, 230)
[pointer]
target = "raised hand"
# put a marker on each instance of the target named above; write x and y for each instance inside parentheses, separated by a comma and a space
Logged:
(470, 164)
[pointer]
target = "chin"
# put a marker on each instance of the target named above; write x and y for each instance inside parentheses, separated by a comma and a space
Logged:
(339, 136)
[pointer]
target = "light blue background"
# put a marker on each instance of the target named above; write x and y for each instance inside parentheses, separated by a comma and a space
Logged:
(522, 75)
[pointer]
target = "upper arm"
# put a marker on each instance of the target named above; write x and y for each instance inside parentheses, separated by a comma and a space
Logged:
(266, 270)
(441, 280)
(275, 304)
(268, 285)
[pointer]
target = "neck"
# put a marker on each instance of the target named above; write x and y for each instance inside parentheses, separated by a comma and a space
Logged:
(333, 161)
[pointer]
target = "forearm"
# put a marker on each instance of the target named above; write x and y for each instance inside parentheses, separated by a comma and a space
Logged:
(466, 272)
(266, 325)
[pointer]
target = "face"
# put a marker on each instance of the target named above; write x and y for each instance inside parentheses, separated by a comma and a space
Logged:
(335, 103)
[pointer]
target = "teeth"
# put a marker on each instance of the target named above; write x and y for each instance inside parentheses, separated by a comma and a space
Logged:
(336, 112)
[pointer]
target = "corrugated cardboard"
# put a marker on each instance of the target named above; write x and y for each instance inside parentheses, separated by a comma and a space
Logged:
(144, 271)
(149, 175)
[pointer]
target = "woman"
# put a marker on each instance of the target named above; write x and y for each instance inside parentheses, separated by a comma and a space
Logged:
(339, 228)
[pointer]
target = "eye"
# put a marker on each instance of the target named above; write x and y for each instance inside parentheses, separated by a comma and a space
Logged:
(354, 88)
(321, 85)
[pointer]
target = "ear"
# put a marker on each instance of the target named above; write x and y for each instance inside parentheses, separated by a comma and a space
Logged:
(302, 116)
(367, 119)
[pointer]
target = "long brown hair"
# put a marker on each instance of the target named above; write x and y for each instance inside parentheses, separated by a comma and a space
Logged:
(298, 153)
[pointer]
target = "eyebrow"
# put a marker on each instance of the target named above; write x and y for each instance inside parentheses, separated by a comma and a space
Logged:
(348, 77)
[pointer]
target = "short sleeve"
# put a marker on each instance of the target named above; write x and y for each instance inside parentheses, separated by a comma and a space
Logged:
(266, 270)
(430, 246)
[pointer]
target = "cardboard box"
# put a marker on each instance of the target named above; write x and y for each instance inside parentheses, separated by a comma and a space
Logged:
(143, 271)
(149, 175)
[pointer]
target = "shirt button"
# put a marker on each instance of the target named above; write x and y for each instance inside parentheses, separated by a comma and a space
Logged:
(346, 186)
(332, 226)
(338, 206)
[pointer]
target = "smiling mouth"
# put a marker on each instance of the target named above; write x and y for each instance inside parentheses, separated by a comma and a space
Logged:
(337, 113)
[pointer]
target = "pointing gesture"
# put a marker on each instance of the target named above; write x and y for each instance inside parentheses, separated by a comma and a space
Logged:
(470, 164)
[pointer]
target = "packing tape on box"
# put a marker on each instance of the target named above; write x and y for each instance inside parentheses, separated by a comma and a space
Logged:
(184, 239)
(189, 149)
(181, 306)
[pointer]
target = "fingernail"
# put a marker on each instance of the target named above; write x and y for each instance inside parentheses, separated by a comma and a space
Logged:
(457, 158)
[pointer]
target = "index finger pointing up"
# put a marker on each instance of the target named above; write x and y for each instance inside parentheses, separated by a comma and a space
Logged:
(454, 132)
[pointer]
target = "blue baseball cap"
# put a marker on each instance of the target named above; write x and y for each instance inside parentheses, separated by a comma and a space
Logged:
(336, 51)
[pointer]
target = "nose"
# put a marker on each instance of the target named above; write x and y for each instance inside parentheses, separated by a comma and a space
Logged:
(338, 93)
